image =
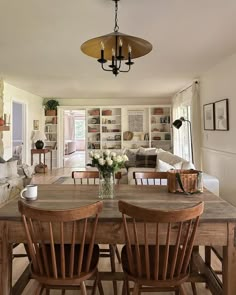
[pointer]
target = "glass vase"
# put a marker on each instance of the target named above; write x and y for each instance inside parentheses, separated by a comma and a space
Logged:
(106, 185)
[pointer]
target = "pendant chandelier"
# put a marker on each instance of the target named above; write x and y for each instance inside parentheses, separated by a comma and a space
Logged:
(118, 48)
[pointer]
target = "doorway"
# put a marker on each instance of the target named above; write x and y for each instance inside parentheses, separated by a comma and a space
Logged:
(74, 138)
(18, 132)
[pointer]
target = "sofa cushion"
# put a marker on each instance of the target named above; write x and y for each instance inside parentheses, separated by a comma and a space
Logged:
(3, 170)
(163, 166)
(12, 169)
(169, 158)
(146, 161)
(187, 165)
(8, 169)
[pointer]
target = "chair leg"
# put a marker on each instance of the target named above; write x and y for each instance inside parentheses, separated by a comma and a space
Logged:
(125, 287)
(194, 289)
(97, 283)
(41, 290)
(100, 288)
(136, 289)
(83, 288)
(63, 292)
(113, 267)
(182, 290)
(117, 254)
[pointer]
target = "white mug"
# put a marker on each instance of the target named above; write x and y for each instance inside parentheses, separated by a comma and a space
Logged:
(30, 192)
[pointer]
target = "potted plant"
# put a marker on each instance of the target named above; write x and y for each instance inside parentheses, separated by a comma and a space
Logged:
(51, 107)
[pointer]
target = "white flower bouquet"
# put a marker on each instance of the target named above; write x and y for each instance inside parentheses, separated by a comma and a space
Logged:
(107, 162)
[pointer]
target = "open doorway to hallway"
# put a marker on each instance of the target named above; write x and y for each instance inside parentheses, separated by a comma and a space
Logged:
(74, 138)
(18, 132)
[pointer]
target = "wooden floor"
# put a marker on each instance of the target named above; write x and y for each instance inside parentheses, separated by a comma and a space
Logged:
(20, 263)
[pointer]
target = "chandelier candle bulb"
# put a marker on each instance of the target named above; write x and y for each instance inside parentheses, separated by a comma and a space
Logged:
(120, 48)
(102, 50)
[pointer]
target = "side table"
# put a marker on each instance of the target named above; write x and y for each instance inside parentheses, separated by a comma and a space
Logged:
(40, 152)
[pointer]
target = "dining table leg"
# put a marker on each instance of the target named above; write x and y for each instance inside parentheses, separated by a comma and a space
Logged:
(229, 263)
(5, 260)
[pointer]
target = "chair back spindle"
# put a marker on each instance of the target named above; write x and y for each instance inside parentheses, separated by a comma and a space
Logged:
(91, 177)
(150, 178)
(69, 255)
(165, 258)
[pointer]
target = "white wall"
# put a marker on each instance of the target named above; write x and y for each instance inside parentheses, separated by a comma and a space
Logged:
(113, 101)
(33, 105)
(219, 147)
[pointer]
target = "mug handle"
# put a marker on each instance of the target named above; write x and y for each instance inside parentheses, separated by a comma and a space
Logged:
(21, 193)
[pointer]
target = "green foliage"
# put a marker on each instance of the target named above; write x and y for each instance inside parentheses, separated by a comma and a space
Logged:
(51, 104)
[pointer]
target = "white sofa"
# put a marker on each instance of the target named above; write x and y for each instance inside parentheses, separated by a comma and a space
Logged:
(70, 147)
(11, 183)
(164, 162)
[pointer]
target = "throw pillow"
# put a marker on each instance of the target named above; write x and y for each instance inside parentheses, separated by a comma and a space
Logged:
(148, 161)
(169, 158)
(163, 166)
(147, 151)
(187, 165)
(132, 159)
(178, 165)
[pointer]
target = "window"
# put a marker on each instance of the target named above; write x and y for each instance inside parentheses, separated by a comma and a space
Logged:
(79, 129)
(182, 136)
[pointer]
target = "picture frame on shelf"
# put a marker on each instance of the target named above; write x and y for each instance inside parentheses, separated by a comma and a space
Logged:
(222, 115)
(209, 116)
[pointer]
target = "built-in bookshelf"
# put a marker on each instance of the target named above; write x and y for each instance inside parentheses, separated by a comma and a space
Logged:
(50, 131)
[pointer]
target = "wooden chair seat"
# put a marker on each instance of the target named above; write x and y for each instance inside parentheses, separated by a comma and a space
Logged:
(161, 264)
(67, 252)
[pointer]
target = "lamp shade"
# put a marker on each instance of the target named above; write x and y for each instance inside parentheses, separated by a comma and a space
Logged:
(39, 135)
(177, 123)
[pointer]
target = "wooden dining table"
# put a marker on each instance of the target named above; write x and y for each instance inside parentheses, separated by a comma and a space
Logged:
(217, 224)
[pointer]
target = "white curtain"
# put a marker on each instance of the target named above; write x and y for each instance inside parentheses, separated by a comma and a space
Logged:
(196, 125)
(187, 104)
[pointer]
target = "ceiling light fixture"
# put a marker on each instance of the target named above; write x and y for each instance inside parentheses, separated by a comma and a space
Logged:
(116, 47)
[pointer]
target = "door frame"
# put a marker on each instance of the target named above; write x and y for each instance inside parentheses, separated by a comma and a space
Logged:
(24, 127)
(60, 131)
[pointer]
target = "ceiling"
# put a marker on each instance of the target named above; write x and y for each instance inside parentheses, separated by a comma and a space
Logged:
(40, 45)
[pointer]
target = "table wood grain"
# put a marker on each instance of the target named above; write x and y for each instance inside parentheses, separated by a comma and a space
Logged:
(217, 224)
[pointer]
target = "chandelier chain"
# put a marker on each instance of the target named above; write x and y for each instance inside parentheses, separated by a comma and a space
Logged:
(116, 28)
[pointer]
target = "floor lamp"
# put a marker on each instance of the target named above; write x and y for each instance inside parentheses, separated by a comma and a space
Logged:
(178, 123)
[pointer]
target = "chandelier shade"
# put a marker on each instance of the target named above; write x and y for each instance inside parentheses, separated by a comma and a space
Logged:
(117, 48)
(140, 47)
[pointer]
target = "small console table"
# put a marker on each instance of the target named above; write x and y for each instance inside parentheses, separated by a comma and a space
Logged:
(40, 152)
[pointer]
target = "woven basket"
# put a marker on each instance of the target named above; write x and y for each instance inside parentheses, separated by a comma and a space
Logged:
(107, 112)
(191, 181)
(40, 168)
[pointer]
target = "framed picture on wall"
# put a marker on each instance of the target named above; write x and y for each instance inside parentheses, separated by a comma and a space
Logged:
(208, 116)
(36, 124)
(222, 115)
